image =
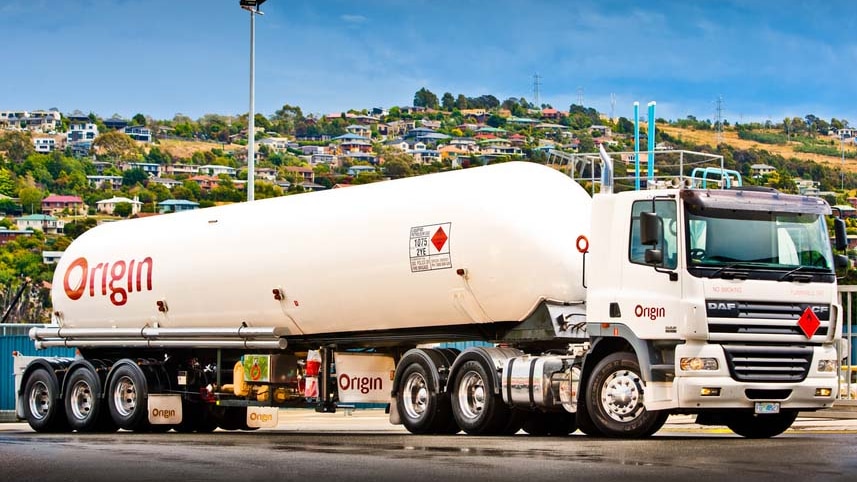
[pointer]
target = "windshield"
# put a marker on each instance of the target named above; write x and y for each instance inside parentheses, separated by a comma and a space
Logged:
(795, 245)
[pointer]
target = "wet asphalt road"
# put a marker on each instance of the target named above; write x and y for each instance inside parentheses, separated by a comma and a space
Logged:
(388, 455)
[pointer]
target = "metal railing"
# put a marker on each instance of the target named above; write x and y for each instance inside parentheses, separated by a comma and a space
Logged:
(849, 319)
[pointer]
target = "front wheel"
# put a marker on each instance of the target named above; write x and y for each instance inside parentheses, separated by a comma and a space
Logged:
(614, 399)
(749, 425)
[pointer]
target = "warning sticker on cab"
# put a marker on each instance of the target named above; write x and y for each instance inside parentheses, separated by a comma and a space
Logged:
(430, 247)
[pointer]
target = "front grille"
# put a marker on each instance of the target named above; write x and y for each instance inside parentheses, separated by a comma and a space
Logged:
(754, 363)
(760, 394)
(736, 321)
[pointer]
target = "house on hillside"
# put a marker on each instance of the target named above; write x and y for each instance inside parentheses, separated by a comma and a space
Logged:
(105, 182)
(43, 222)
(7, 234)
(108, 206)
(760, 170)
(44, 145)
(177, 205)
(138, 133)
(56, 204)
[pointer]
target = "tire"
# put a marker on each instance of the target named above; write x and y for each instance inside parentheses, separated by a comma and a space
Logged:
(232, 418)
(127, 396)
(85, 406)
(42, 405)
(421, 409)
(477, 409)
(541, 424)
(614, 399)
(749, 425)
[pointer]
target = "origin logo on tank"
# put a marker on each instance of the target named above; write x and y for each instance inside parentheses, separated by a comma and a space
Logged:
(117, 279)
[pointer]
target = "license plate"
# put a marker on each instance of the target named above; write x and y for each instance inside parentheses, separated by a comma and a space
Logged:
(767, 407)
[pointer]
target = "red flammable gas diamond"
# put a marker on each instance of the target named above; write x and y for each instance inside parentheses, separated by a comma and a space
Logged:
(439, 239)
(808, 322)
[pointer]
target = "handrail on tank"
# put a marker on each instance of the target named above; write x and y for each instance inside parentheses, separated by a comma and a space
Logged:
(150, 333)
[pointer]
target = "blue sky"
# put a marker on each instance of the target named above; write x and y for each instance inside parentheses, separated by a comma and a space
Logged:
(767, 59)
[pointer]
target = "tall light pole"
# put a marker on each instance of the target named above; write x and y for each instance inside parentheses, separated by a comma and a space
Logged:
(252, 6)
(842, 146)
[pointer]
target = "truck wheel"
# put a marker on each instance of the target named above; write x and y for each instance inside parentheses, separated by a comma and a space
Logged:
(421, 409)
(85, 407)
(126, 396)
(614, 399)
(749, 425)
(43, 408)
(549, 423)
(475, 406)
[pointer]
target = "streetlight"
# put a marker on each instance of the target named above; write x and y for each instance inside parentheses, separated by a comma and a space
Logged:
(252, 6)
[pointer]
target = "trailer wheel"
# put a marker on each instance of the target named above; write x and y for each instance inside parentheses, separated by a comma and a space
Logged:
(614, 399)
(126, 396)
(549, 423)
(43, 408)
(85, 406)
(749, 425)
(421, 408)
(477, 409)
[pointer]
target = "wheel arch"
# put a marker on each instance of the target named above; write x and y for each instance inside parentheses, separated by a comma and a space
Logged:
(56, 367)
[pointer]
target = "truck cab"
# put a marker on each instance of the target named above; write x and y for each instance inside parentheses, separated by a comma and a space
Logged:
(727, 297)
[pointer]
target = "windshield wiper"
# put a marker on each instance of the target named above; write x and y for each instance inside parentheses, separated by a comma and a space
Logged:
(792, 275)
(726, 272)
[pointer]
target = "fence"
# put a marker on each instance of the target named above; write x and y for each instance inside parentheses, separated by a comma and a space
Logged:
(14, 338)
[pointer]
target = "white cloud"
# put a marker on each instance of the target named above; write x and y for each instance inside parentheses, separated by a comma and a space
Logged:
(351, 18)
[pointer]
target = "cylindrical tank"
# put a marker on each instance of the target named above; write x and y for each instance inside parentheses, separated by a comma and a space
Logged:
(469, 246)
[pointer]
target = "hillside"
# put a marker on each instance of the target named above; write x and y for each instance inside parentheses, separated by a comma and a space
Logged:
(184, 149)
(730, 136)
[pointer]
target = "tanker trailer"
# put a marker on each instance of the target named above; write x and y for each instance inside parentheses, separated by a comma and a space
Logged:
(606, 313)
(167, 305)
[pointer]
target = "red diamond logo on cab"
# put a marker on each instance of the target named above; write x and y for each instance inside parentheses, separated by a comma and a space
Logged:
(439, 239)
(808, 322)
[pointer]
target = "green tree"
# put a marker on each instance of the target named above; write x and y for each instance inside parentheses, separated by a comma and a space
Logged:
(17, 145)
(135, 176)
(448, 102)
(139, 120)
(461, 102)
(31, 199)
(425, 98)
(123, 209)
(116, 145)
(7, 183)
(77, 227)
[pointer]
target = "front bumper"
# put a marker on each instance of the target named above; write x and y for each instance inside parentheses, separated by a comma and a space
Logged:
(688, 386)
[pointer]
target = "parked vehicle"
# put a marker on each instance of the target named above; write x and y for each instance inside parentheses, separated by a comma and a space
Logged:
(609, 312)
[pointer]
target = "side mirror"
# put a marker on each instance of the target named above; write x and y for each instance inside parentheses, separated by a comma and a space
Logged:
(841, 241)
(654, 257)
(650, 229)
(840, 261)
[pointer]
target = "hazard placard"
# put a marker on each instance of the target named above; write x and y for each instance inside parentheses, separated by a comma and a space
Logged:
(430, 247)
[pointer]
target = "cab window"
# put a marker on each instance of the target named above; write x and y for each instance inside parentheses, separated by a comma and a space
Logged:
(667, 240)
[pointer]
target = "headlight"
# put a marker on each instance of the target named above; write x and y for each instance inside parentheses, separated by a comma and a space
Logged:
(827, 365)
(698, 364)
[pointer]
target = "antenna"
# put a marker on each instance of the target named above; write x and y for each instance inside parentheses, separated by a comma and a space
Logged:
(580, 96)
(718, 123)
(612, 106)
(537, 83)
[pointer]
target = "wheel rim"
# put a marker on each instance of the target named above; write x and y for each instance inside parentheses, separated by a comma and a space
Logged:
(125, 396)
(415, 398)
(622, 396)
(471, 395)
(40, 400)
(81, 400)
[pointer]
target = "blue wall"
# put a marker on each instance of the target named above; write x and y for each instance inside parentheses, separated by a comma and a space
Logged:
(23, 345)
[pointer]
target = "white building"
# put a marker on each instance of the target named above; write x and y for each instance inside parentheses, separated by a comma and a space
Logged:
(83, 131)
(44, 145)
(107, 206)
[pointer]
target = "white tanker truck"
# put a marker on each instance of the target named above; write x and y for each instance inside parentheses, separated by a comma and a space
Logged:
(606, 313)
